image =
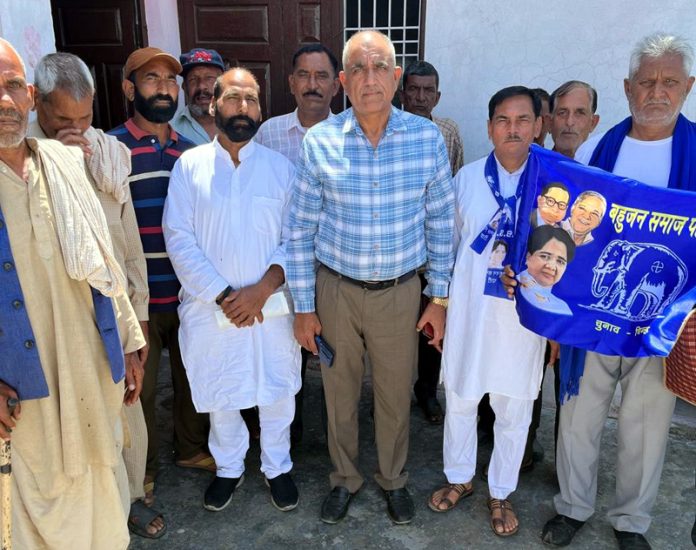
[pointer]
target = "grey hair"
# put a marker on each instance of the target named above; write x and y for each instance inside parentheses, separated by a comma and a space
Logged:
(659, 44)
(349, 43)
(65, 72)
(582, 196)
(568, 87)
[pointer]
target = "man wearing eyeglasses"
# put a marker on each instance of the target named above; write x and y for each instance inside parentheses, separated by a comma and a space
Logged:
(585, 215)
(201, 68)
(552, 205)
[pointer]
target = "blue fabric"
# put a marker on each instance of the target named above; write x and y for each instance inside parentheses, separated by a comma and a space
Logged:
(371, 213)
(20, 365)
(682, 175)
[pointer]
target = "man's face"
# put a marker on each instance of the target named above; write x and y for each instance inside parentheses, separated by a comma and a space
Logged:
(420, 95)
(198, 88)
(313, 83)
(553, 205)
(586, 215)
(370, 78)
(548, 264)
(237, 111)
(61, 111)
(513, 126)
(572, 121)
(658, 90)
(545, 123)
(155, 91)
(16, 99)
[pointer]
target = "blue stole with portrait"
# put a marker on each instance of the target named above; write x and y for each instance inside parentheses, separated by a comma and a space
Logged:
(682, 175)
(501, 224)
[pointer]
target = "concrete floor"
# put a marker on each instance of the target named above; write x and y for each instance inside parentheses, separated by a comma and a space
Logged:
(251, 522)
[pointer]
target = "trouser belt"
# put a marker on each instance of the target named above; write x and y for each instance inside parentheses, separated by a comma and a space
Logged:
(373, 285)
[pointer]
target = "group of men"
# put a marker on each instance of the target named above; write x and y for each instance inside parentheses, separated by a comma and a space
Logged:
(314, 230)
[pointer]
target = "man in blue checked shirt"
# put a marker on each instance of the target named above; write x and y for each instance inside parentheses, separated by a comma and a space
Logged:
(373, 202)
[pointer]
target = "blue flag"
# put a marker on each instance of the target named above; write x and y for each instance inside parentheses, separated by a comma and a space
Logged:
(604, 263)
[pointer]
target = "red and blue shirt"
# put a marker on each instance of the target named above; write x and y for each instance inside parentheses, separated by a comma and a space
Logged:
(149, 181)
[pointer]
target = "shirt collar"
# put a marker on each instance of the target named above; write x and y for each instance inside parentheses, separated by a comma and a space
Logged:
(244, 153)
(295, 121)
(502, 170)
(139, 133)
(396, 122)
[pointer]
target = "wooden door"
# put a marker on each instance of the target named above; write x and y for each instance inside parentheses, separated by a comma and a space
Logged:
(103, 34)
(262, 35)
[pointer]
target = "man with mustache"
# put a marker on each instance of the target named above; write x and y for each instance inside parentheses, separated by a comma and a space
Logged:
(655, 145)
(313, 83)
(419, 95)
(481, 363)
(66, 323)
(222, 223)
(573, 116)
(150, 83)
(200, 69)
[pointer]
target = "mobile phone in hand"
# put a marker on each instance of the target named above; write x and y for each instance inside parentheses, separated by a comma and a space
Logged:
(428, 331)
(326, 352)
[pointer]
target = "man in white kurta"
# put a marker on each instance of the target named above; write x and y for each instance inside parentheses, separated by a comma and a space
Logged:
(486, 350)
(222, 225)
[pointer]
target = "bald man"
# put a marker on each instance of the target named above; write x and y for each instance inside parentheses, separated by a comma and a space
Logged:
(62, 308)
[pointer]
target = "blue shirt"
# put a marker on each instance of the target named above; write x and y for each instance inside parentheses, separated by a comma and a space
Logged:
(149, 182)
(371, 213)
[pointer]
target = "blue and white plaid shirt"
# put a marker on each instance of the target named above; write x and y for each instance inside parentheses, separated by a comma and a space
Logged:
(371, 213)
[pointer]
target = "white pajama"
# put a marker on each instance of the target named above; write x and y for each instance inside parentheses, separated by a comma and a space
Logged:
(229, 439)
(512, 418)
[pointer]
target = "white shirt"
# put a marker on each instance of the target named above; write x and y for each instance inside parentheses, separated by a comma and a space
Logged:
(284, 134)
(645, 161)
(222, 225)
(486, 349)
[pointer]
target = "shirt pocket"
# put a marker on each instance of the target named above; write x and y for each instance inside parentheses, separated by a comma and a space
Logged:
(266, 215)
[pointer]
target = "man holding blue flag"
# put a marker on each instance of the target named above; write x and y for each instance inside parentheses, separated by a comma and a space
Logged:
(655, 145)
(487, 193)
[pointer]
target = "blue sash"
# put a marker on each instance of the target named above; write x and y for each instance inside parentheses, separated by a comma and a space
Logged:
(682, 175)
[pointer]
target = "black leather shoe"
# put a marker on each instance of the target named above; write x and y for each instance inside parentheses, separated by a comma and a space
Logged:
(335, 505)
(399, 506)
(284, 495)
(631, 541)
(560, 530)
(219, 493)
(432, 410)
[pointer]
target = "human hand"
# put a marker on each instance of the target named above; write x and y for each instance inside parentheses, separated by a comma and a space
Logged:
(509, 281)
(306, 327)
(243, 306)
(143, 352)
(74, 136)
(8, 417)
(435, 315)
(134, 378)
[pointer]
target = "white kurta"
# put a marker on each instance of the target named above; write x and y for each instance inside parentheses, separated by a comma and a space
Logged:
(222, 225)
(486, 350)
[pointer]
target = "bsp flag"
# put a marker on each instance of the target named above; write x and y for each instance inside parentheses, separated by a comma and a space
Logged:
(604, 263)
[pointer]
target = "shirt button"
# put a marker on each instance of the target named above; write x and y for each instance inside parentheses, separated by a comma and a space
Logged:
(7, 266)
(29, 344)
(375, 216)
(17, 304)
(375, 184)
(152, 140)
(376, 247)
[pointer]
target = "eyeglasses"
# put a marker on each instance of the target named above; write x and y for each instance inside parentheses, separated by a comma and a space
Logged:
(551, 202)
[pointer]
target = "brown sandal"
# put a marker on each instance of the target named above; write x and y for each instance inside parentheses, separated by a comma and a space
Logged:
(462, 490)
(506, 510)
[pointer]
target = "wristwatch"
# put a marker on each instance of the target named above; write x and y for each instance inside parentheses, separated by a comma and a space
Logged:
(444, 302)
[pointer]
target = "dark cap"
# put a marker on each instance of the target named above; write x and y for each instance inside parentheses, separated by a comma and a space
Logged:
(200, 56)
(143, 56)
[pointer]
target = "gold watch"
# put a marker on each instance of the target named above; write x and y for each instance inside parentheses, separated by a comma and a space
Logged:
(444, 302)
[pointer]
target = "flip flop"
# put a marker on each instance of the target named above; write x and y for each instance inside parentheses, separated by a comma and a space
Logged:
(206, 463)
(140, 516)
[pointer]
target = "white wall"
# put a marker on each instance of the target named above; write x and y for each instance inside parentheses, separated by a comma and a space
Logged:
(28, 26)
(162, 20)
(481, 47)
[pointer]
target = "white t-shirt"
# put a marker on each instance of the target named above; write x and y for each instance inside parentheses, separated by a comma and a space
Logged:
(645, 161)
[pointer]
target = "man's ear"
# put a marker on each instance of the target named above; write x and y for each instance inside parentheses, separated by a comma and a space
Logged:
(212, 107)
(595, 121)
(128, 89)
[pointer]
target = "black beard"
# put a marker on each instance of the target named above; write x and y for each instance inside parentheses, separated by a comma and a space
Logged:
(146, 107)
(235, 133)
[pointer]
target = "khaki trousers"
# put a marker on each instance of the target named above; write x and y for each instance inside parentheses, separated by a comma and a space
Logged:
(383, 324)
(190, 427)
